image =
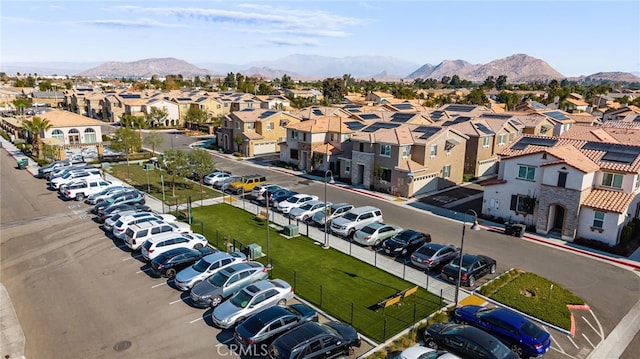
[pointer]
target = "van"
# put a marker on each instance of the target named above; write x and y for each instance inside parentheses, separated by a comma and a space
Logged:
(137, 234)
(247, 183)
(355, 219)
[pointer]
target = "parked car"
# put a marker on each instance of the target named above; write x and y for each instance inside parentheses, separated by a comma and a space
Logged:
(473, 267)
(215, 177)
(120, 226)
(171, 262)
(111, 219)
(258, 191)
(307, 210)
(224, 184)
(315, 340)
(57, 182)
(132, 197)
(407, 241)
(433, 255)
(466, 341)
(137, 234)
(61, 171)
(355, 219)
(212, 291)
(422, 352)
(335, 210)
(247, 183)
(161, 243)
(516, 331)
(205, 268)
(375, 233)
(44, 171)
(250, 300)
(267, 324)
(294, 202)
(279, 196)
(81, 189)
(105, 193)
(121, 207)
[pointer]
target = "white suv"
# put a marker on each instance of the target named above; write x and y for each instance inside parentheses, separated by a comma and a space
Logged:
(161, 243)
(355, 219)
(121, 225)
(295, 201)
(137, 234)
(74, 175)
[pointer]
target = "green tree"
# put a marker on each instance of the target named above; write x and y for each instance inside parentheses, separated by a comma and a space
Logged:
(36, 127)
(238, 141)
(286, 82)
(195, 117)
(45, 85)
(501, 82)
(156, 117)
(201, 164)
(265, 89)
(127, 141)
(333, 90)
(230, 80)
(510, 99)
(477, 97)
(489, 83)
(177, 165)
(153, 139)
(21, 103)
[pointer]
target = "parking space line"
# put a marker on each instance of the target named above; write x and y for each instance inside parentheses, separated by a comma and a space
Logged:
(555, 342)
(175, 301)
(572, 342)
(119, 247)
(589, 341)
(130, 258)
(159, 284)
(601, 332)
(143, 270)
(592, 327)
(195, 320)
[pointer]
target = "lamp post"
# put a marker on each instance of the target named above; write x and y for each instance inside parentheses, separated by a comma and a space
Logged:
(475, 227)
(326, 207)
(269, 266)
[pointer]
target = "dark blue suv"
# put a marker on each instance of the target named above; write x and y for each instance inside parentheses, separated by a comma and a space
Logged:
(521, 335)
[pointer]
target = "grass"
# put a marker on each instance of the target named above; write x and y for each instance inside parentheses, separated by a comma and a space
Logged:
(536, 296)
(343, 286)
(137, 177)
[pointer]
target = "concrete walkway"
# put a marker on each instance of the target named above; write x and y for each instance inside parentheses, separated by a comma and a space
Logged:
(11, 336)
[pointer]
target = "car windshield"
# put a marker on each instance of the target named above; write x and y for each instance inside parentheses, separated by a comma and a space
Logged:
(427, 250)
(253, 324)
(292, 199)
(369, 230)
(147, 244)
(500, 350)
(201, 266)
(241, 299)
(306, 206)
(66, 175)
(119, 223)
(116, 216)
(218, 279)
(402, 237)
(350, 216)
(532, 330)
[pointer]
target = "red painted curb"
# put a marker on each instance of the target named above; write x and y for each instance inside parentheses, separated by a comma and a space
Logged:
(573, 326)
(579, 307)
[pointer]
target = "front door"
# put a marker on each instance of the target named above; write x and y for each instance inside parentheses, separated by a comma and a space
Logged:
(558, 219)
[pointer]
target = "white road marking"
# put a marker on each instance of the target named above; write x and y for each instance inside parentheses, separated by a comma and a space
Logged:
(175, 301)
(119, 247)
(592, 327)
(556, 344)
(599, 325)
(159, 284)
(195, 320)
(588, 341)
(143, 270)
(572, 342)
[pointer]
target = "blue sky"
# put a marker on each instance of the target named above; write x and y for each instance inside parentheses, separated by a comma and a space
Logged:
(574, 37)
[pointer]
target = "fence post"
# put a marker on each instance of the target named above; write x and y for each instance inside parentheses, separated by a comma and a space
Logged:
(351, 314)
(440, 305)
(414, 313)
(375, 257)
(307, 229)
(320, 295)
(384, 330)
(404, 269)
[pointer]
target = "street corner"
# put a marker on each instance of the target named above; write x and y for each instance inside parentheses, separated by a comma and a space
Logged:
(473, 300)
(583, 337)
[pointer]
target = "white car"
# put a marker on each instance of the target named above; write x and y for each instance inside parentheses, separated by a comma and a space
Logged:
(81, 189)
(206, 267)
(137, 234)
(111, 220)
(294, 202)
(109, 191)
(215, 177)
(251, 299)
(120, 226)
(161, 243)
(419, 352)
(307, 210)
(74, 175)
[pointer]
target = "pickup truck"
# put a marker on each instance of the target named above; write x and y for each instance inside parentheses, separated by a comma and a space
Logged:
(81, 189)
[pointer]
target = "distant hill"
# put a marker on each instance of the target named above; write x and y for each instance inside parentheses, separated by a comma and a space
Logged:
(147, 68)
(609, 76)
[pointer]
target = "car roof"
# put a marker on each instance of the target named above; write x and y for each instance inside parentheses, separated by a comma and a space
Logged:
(300, 334)
(358, 210)
(479, 336)
(164, 236)
(145, 225)
(217, 256)
(174, 252)
(376, 225)
(242, 266)
(340, 205)
(269, 314)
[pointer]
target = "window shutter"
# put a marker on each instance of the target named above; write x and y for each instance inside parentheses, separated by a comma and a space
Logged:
(514, 202)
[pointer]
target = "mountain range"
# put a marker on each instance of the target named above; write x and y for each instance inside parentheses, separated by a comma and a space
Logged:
(517, 68)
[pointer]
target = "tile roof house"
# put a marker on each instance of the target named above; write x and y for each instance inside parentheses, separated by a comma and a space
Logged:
(313, 112)
(572, 188)
(378, 97)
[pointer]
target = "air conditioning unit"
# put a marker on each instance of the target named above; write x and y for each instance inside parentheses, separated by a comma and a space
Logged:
(290, 230)
(254, 251)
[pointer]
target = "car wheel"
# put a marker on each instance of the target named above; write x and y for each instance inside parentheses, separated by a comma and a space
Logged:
(350, 350)
(282, 302)
(518, 350)
(472, 280)
(80, 197)
(171, 272)
(198, 246)
(430, 343)
(216, 301)
(350, 234)
(493, 269)
(376, 244)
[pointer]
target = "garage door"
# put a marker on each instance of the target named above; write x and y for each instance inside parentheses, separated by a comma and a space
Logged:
(260, 148)
(425, 184)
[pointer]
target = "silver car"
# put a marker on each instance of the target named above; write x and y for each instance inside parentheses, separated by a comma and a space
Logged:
(335, 210)
(433, 255)
(206, 267)
(307, 210)
(251, 299)
(224, 184)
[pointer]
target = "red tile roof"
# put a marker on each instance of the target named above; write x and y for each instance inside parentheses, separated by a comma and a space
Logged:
(609, 201)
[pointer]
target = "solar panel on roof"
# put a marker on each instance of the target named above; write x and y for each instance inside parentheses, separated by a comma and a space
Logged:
(380, 125)
(403, 106)
(526, 141)
(637, 119)
(267, 114)
(401, 117)
(428, 132)
(496, 115)
(131, 95)
(619, 157)
(424, 129)
(537, 105)
(460, 108)
(369, 116)
(436, 114)
(557, 115)
(354, 125)
(612, 147)
(482, 128)
(317, 112)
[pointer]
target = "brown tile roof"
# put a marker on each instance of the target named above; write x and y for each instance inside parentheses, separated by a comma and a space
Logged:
(326, 148)
(410, 166)
(252, 135)
(589, 133)
(572, 157)
(609, 201)
(576, 102)
(323, 125)
(60, 118)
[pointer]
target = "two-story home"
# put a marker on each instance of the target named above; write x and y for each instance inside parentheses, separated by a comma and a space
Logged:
(535, 124)
(254, 132)
(163, 104)
(313, 145)
(314, 112)
(566, 187)
(562, 121)
(68, 128)
(405, 159)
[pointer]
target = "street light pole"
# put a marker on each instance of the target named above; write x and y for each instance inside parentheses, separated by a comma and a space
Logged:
(269, 266)
(326, 209)
(475, 227)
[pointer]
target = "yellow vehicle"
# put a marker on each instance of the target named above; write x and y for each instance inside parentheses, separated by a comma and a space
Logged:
(247, 183)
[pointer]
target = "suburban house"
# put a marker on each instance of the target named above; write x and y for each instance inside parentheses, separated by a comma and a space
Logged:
(162, 104)
(562, 120)
(112, 108)
(68, 128)
(273, 102)
(52, 99)
(575, 103)
(313, 145)
(620, 113)
(567, 187)
(378, 97)
(405, 159)
(92, 102)
(314, 112)
(254, 131)
(535, 124)
(451, 111)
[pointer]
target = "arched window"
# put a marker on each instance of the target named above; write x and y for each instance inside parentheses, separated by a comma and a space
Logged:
(74, 137)
(89, 135)
(58, 135)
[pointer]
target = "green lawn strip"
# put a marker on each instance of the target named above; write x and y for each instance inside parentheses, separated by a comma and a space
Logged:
(137, 177)
(345, 287)
(533, 295)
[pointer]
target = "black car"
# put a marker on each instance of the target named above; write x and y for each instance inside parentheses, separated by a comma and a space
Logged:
(473, 267)
(265, 325)
(122, 207)
(279, 196)
(132, 197)
(467, 341)
(315, 340)
(172, 261)
(405, 242)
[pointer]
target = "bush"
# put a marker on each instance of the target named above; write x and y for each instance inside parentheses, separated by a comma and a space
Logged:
(491, 287)
(5, 136)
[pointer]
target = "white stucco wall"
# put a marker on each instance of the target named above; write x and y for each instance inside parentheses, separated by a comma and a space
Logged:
(172, 109)
(610, 229)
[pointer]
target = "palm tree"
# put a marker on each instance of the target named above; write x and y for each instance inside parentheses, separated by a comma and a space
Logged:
(36, 126)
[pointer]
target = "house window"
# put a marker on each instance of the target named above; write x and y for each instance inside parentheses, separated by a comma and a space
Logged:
(612, 180)
(294, 135)
(434, 150)
(405, 152)
(501, 139)
(89, 135)
(385, 150)
(346, 137)
(347, 166)
(562, 179)
(238, 125)
(293, 154)
(59, 135)
(522, 204)
(446, 171)
(249, 126)
(386, 175)
(269, 125)
(485, 141)
(527, 173)
(304, 137)
(598, 219)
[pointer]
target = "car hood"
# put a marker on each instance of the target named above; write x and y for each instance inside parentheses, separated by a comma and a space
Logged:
(186, 274)
(205, 289)
(297, 211)
(305, 311)
(347, 331)
(226, 310)
(467, 311)
(392, 244)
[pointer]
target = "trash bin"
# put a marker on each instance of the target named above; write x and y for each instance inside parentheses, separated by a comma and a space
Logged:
(22, 163)
(514, 229)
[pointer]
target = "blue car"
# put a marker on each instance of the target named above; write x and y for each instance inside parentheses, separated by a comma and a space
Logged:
(521, 335)
(279, 196)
